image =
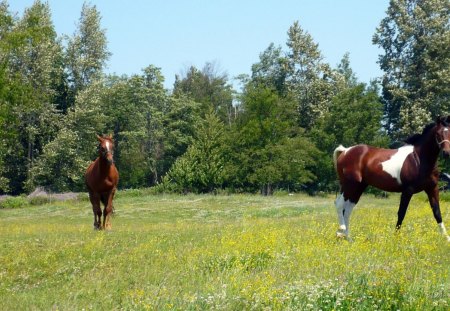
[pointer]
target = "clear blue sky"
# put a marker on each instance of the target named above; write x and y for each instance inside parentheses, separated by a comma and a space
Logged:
(175, 34)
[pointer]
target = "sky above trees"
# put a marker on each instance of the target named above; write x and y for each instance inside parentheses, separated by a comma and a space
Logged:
(175, 35)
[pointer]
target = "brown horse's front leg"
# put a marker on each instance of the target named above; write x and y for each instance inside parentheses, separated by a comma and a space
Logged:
(108, 210)
(433, 197)
(95, 201)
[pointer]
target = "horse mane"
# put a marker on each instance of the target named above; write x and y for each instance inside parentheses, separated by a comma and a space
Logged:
(417, 138)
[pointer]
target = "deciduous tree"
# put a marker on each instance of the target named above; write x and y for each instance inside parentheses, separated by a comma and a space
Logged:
(415, 36)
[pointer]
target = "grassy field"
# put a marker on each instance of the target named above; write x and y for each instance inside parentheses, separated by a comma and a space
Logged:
(223, 252)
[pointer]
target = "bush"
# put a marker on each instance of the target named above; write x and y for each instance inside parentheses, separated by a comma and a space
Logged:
(40, 200)
(14, 202)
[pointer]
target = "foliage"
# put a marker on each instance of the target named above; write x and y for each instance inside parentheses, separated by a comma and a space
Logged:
(201, 168)
(262, 154)
(209, 88)
(87, 51)
(278, 134)
(61, 168)
(310, 80)
(14, 202)
(415, 36)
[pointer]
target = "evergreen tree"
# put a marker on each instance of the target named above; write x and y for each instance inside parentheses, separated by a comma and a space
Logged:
(201, 168)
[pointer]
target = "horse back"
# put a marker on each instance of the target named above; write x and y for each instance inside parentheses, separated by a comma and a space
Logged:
(364, 164)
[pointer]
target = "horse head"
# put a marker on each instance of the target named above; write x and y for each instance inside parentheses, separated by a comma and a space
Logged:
(105, 148)
(443, 135)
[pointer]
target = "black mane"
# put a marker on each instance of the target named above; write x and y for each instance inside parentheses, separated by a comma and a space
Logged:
(417, 138)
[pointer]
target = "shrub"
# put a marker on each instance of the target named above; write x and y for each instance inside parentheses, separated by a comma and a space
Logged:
(14, 202)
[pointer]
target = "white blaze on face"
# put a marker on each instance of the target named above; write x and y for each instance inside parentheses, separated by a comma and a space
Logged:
(394, 165)
(107, 146)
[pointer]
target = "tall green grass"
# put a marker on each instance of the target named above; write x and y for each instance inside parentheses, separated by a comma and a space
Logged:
(223, 252)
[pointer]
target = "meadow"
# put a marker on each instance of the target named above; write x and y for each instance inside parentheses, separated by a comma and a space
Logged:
(237, 252)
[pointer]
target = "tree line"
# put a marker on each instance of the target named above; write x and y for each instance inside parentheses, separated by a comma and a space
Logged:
(278, 132)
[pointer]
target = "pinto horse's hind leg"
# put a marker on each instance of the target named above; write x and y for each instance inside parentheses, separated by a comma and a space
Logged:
(95, 201)
(344, 207)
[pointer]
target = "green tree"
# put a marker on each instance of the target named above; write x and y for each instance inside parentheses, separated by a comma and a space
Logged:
(136, 108)
(201, 168)
(310, 81)
(208, 87)
(262, 144)
(179, 125)
(32, 57)
(272, 69)
(87, 52)
(62, 165)
(415, 36)
(346, 71)
(8, 132)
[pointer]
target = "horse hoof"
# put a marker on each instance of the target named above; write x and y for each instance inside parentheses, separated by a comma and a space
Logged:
(341, 235)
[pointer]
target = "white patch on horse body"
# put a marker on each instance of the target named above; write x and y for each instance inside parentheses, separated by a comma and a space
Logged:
(394, 165)
(107, 145)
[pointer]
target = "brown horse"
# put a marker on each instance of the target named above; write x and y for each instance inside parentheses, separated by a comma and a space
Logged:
(101, 180)
(408, 169)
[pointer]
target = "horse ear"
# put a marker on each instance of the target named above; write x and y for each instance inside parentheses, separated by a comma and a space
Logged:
(445, 121)
(99, 138)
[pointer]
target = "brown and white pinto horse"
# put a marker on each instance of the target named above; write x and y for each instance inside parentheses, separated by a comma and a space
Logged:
(101, 180)
(408, 169)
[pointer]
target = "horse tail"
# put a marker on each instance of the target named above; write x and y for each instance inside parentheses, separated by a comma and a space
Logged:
(337, 152)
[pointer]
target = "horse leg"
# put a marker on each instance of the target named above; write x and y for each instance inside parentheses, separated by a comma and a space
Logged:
(433, 197)
(95, 201)
(340, 204)
(104, 200)
(344, 207)
(404, 202)
(108, 210)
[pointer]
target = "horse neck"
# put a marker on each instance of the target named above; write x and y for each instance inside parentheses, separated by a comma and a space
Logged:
(428, 150)
(103, 165)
